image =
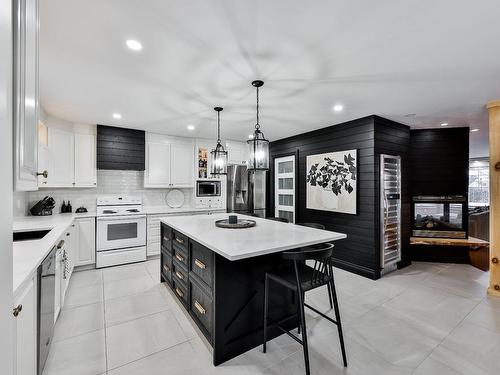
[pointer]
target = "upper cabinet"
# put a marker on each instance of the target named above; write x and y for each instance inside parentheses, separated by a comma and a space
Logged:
(68, 158)
(25, 97)
(169, 162)
(85, 160)
(237, 152)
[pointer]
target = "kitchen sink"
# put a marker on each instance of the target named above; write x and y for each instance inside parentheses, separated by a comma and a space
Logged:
(30, 235)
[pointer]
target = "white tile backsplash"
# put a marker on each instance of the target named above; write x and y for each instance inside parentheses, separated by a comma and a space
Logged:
(108, 183)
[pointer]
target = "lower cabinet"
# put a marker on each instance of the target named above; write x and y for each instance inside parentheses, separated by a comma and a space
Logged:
(25, 321)
(85, 240)
(188, 269)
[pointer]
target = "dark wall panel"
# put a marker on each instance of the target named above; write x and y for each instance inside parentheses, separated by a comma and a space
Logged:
(439, 160)
(120, 149)
(370, 136)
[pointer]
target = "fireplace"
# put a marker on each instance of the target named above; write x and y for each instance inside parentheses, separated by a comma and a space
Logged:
(440, 216)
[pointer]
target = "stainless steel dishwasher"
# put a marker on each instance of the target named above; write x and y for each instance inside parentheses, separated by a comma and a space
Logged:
(46, 303)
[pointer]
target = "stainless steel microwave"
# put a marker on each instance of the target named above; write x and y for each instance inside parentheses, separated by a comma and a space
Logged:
(208, 188)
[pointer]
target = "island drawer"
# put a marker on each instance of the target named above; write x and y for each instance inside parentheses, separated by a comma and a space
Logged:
(166, 237)
(180, 290)
(202, 262)
(180, 240)
(201, 307)
(180, 272)
(180, 255)
(166, 266)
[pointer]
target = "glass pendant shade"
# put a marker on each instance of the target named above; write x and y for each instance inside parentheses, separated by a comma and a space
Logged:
(219, 160)
(218, 155)
(258, 146)
(258, 151)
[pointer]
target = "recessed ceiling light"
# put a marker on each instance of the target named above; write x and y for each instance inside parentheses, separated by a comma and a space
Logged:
(475, 130)
(117, 116)
(338, 107)
(444, 124)
(190, 127)
(134, 45)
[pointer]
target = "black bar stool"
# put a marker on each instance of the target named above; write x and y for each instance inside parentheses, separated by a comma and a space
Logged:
(301, 278)
(319, 226)
(282, 219)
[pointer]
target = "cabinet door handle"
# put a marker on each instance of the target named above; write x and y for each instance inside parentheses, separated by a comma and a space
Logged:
(179, 257)
(181, 241)
(45, 174)
(200, 264)
(16, 310)
(200, 308)
(179, 292)
(166, 268)
(179, 275)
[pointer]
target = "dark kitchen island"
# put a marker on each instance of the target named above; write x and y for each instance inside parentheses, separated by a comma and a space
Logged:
(218, 276)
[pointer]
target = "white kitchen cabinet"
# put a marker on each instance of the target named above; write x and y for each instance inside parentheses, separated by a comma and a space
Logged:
(25, 321)
(169, 165)
(85, 160)
(69, 158)
(25, 98)
(237, 152)
(157, 172)
(181, 165)
(58, 158)
(85, 240)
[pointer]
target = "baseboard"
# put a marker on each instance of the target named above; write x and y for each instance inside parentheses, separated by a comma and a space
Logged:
(357, 269)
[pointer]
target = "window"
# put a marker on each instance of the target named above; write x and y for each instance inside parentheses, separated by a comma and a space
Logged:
(479, 182)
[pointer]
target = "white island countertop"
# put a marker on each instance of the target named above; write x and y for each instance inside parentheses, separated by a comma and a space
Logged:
(266, 237)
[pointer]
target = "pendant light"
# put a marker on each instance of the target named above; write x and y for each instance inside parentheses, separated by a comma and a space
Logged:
(218, 155)
(258, 146)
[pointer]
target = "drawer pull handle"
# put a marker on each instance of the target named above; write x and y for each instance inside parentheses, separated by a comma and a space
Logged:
(200, 264)
(17, 310)
(166, 268)
(179, 275)
(179, 240)
(166, 239)
(179, 257)
(179, 292)
(200, 308)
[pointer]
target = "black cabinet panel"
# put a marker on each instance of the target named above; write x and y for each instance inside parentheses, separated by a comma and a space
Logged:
(201, 262)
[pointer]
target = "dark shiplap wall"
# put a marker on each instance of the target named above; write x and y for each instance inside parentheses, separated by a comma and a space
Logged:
(440, 161)
(120, 149)
(360, 252)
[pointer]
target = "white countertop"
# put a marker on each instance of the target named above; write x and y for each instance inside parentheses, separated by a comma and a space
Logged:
(156, 210)
(28, 255)
(266, 237)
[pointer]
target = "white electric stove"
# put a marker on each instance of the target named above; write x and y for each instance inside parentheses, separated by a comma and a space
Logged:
(121, 231)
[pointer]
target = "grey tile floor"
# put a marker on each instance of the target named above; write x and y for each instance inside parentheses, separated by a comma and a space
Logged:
(425, 319)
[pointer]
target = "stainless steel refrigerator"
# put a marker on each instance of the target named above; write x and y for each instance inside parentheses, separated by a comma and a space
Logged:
(246, 191)
(390, 212)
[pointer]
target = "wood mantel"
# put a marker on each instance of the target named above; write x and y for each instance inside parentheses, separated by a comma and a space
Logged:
(478, 249)
(494, 135)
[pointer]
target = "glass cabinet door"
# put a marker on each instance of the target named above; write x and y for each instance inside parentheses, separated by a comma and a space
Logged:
(284, 181)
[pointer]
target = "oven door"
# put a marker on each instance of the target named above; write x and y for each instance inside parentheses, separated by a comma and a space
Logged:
(208, 189)
(119, 232)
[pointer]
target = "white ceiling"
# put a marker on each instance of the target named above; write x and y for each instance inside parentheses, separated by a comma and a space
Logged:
(437, 59)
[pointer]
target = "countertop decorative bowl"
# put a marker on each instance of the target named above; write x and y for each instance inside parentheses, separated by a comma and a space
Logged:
(241, 223)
